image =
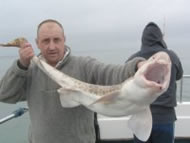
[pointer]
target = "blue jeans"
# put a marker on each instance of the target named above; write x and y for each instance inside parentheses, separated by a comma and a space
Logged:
(161, 133)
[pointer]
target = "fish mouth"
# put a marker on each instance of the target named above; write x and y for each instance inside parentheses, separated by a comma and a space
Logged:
(158, 74)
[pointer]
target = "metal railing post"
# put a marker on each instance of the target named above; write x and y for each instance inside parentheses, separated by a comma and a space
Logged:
(181, 91)
(181, 87)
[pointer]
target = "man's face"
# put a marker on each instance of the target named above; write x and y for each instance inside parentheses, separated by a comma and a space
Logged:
(50, 41)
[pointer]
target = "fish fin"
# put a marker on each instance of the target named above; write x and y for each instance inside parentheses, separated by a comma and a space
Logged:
(141, 124)
(107, 98)
(67, 97)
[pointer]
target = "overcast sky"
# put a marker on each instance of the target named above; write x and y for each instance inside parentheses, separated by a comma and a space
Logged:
(100, 28)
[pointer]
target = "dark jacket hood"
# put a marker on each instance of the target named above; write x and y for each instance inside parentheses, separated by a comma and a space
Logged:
(152, 35)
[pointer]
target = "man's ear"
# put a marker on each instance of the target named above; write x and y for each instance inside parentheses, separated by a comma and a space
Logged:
(64, 38)
(37, 42)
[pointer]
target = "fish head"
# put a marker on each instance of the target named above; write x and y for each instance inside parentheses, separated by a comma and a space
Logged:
(153, 77)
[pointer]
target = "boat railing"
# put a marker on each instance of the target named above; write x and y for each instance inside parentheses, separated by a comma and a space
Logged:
(181, 87)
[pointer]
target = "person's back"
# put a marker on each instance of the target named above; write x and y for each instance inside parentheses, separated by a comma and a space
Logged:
(163, 109)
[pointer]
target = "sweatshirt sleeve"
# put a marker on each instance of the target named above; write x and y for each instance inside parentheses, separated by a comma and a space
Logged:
(12, 84)
(108, 74)
(177, 63)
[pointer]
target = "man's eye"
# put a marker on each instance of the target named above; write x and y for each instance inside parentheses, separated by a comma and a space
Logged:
(56, 40)
(45, 41)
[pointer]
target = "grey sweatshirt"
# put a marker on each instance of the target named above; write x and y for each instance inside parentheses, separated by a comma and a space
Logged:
(50, 122)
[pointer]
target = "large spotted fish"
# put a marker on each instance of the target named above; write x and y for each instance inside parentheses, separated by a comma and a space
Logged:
(131, 97)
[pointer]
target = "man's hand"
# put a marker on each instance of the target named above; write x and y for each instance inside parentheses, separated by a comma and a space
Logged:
(26, 53)
(140, 64)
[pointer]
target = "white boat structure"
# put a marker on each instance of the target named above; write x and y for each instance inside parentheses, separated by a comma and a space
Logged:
(115, 130)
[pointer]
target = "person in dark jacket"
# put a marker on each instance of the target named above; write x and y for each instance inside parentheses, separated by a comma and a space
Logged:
(163, 109)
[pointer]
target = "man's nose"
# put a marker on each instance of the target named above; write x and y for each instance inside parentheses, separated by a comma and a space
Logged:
(51, 45)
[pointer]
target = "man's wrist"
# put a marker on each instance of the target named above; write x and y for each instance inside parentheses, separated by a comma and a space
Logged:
(21, 66)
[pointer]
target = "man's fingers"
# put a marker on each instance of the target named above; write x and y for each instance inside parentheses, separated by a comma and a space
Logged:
(26, 53)
(25, 45)
(140, 64)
